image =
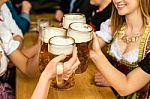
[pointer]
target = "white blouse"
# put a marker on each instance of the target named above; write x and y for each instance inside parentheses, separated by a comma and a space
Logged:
(8, 21)
(7, 46)
(3, 62)
(106, 35)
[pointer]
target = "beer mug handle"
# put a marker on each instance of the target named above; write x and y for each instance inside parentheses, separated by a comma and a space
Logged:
(59, 78)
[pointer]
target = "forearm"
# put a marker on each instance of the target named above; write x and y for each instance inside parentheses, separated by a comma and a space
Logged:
(29, 66)
(109, 71)
(123, 84)
(33, 59)
(42, 88)
(32, 54)
(32, 62)
(31, 51)
(26, 65)
(32, 66)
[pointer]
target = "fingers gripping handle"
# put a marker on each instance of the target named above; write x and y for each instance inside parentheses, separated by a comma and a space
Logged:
(59, 79)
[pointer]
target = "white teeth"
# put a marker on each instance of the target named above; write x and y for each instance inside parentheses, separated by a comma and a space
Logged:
(121, 6)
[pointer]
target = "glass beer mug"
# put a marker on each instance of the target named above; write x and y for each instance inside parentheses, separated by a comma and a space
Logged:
(42, 23)
(47, 33)
(82, 33)
(61, 45)
(72, 17)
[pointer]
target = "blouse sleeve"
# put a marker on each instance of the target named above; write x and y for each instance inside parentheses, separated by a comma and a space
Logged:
(8, 43)
(10, 22)
(105, 31)
(145, 63)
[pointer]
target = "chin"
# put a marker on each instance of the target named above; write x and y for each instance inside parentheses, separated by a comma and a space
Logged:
(121, 13)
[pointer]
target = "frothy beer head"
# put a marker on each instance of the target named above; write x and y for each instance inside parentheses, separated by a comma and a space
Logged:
(73, 17)
(81, 32)
(61, 45)
(51, 32)
(43, 24)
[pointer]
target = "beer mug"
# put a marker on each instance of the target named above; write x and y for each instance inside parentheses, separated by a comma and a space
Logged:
(48, 32)
(72, 17)
(61, 45)
(42, 23)
(82, 33)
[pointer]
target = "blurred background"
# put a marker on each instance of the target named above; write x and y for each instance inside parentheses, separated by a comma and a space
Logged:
(47, 5)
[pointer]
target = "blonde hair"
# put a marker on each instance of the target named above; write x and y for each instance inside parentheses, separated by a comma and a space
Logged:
(117, 21)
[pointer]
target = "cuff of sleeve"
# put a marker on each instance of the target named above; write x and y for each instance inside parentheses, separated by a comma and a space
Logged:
(105, 36)
(11, 46)
(25, 16)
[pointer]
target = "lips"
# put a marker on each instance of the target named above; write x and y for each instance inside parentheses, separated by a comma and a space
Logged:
(121, 6)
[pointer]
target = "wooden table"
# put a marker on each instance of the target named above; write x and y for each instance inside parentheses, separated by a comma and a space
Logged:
(84, 86)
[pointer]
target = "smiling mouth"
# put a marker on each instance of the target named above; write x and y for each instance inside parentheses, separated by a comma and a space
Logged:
(121, 5)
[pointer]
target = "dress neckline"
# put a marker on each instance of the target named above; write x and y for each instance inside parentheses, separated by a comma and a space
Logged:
(141, 47)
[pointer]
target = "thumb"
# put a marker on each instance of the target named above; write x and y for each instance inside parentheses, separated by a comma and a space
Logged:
(94, 36)
(95, 44)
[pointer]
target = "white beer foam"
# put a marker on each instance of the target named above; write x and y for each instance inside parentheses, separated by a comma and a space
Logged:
(81, 32)
(61, 46)
(51, 32)
(70, 18)
(42, 25)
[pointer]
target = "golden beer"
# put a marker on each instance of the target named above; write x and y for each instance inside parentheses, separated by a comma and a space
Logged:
(62, 45)
(48, 32)
(82, 33)
(72, 17)
(43, 57)
(83, 56)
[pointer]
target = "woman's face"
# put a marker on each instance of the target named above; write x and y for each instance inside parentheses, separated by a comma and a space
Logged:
(96, 2)
(2, 2)
(125, 7)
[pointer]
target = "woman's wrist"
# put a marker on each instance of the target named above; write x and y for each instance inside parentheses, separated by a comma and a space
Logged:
(46, 77)
(97, 56)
